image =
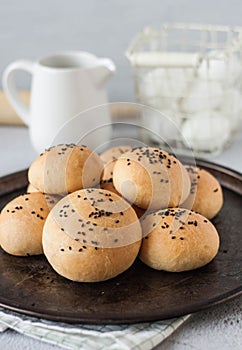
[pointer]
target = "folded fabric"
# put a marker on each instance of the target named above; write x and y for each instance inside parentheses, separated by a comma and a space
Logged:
(143, 336)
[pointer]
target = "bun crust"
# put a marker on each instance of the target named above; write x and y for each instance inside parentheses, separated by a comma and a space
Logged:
(151, 178)
(206, 196)
(65, 169)
(31, 189)
(21, 224)
(108, 185)
(109, 158)
(91, 235)
(178, 240)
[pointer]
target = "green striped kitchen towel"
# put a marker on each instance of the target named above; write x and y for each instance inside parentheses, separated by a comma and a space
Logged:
(142, 336)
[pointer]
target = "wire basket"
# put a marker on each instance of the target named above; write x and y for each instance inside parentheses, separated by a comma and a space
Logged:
(191, 73)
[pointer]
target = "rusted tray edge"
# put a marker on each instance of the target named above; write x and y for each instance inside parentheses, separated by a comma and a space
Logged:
(13, 182)
(112, 319)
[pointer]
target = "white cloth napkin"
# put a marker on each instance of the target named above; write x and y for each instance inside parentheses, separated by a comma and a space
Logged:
(142, 336)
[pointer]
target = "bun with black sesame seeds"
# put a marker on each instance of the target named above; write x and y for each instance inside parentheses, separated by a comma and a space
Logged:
(64, 169)
(109, 158)
(206, 196)
(91, 235)
(108, 185)
(21, 224)
(151, 178)
(177, 240)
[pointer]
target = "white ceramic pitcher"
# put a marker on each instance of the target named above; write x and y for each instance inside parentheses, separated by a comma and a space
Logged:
(63, 85)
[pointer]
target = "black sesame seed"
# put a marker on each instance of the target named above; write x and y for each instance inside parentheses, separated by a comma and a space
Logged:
(70, 248)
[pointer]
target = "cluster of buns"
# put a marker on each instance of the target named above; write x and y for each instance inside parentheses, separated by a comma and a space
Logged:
(93, 215)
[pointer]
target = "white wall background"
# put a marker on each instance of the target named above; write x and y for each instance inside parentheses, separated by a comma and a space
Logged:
(34, 28)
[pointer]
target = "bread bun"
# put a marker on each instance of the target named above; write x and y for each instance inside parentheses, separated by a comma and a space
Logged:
(65, 169)
(178, 240)
(206, 196)
(31, 189)
(114, 153)
(151, 178)
(108, 185)
(109, 158)
(21, 224)
(91, 235)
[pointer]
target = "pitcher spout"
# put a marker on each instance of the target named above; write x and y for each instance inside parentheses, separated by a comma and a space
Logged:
(103, 71)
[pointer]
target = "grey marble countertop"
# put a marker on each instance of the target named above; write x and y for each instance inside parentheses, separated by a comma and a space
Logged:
(219, 327)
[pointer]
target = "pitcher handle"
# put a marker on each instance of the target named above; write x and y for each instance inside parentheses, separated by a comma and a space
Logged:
(10, 89)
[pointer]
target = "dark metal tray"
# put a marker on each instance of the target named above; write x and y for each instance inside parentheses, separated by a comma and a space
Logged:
(30, 286)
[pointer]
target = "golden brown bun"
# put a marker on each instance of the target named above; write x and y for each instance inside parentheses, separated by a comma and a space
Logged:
(151, 178)
(114, 153)
(21, 224)
(65, 169)
(51, 199)
(108, 185)
(91, 235)
(31, 189)
(109, 158)
(206, 196)
(178, 240)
